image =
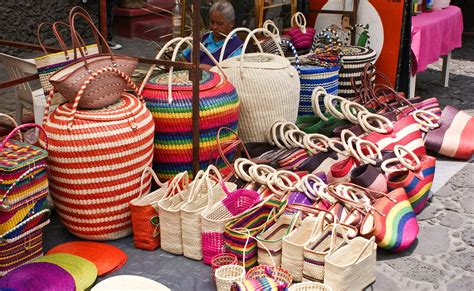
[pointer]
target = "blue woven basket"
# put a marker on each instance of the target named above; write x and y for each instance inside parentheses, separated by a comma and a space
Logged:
(310, 78)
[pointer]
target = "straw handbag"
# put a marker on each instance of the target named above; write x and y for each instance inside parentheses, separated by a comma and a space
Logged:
(169, 209)
(103, 91)
(203, 195)
(253, 221)
(318, 248)
(351, 267)
(23, 243)
(215, 218)
(51, 62)
(96, 159)
(272, 238)
(301, 36)
(144, 213)
(169, 98)
(269, 77)
(293, 245)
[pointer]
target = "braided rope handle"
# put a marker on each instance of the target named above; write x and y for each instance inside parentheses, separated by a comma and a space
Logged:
(334, 41)
(26, 125)
(23, 176)
(293, 50)
(15, 124)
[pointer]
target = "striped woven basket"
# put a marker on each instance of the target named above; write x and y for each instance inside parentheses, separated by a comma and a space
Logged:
(312, 76)
(23, 179)
(96, 158)
(23, 243)
(172, 112)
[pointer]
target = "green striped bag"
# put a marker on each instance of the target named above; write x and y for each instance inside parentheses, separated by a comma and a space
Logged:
(239, 232)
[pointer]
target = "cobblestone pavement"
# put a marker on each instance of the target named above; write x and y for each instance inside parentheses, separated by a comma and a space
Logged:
(443, 256)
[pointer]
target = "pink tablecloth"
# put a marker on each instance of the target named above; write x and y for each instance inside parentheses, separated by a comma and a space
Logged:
(435, 34)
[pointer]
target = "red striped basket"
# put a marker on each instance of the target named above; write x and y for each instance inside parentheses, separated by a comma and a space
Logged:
(96, 158)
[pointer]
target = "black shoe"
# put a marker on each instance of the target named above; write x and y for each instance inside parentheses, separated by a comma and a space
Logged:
(113, 45)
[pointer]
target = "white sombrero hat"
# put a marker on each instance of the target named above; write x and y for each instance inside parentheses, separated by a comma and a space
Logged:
(129, 282)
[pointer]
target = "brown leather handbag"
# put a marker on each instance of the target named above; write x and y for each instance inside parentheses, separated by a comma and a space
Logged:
(102, 91)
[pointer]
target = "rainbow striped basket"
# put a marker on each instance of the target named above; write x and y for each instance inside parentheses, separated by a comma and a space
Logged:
(23, 179)
(219, 107)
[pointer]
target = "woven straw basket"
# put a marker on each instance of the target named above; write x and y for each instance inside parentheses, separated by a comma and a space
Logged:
(351, 267)
(204, 195)
(293, 245)
(96, 158)
(268, 88)
(227, 275)
(169, 98)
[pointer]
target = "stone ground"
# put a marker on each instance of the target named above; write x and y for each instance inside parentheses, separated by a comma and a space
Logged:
(443, 256)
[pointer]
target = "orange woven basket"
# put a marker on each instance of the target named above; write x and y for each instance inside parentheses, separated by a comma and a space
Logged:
(96, 159)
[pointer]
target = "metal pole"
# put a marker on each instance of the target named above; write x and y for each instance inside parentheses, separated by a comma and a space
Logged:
(196, 77)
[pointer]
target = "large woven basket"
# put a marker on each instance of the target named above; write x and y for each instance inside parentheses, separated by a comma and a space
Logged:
(268, 88)
(96, 158)
(172, 112)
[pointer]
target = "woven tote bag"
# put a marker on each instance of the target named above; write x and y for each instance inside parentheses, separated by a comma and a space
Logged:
(103, 91)
(169, 209)
(215, 218)
(96, 159)
(23, 178)
(301, 36)
(23, 243)
(144, 213)
(293, 245)
(268, 88)
(267, 43)
(52, 62)
(240, 231)
(204, 195)
(351, 267)
(272, 239)
(169, 98)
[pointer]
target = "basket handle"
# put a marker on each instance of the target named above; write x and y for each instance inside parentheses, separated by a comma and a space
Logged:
(237, 143)
(425, 119)
(315, 95)
(175, 184)
(300, 20)
(400, 158)
(15, 124)
(271, 26)
(369, 243)
(366, 30)
(26, 125)
(155, 177)
(219, 179)
(247, 40)
(229, 37)
(188, 41)
(23, 176)
(196, 185)
(334, 42)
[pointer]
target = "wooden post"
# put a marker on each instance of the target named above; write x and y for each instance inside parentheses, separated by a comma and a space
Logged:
(103, 17)
(196, 78)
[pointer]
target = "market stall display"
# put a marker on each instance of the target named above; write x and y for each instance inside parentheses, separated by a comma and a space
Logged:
(314, 204)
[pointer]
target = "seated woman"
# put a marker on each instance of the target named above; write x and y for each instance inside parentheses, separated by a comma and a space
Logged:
(221, 23)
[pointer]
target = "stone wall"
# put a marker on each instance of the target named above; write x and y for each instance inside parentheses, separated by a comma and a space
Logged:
(20, 18)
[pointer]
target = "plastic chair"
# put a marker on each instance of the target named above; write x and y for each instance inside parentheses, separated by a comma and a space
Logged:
(25, 96)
